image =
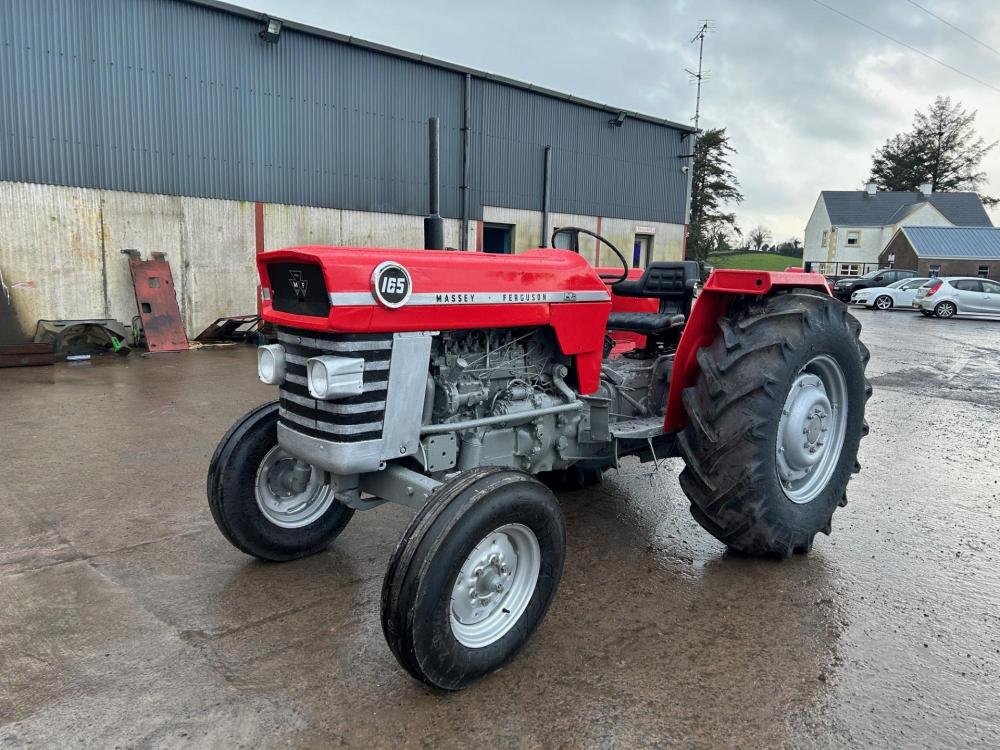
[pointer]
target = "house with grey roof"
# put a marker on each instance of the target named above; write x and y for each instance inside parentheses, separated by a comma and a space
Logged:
(849, 229)
(945, 251)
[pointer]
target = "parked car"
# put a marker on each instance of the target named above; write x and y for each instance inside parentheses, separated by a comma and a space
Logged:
(958, 295)
(898, 294)
(844, 288)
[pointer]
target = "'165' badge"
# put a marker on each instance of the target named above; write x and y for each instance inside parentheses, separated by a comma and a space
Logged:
(391, 284)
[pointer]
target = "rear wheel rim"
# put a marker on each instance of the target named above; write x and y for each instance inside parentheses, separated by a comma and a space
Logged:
(812, 429)
(946, 309)
(280, 505)
(494, 586)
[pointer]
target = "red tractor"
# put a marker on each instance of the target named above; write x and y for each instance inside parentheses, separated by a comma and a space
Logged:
(469, 386)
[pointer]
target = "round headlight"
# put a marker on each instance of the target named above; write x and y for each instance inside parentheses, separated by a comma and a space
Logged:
(271, 364)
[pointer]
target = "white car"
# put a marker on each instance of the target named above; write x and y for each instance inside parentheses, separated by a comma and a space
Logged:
(949, 296)
(898, 294)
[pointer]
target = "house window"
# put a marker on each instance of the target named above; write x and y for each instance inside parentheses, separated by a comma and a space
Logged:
(933, 270)
(826, 237)
(853, 238)
(850, 269)
(983, 272)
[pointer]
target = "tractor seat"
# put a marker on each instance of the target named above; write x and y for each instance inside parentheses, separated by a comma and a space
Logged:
(648, 324)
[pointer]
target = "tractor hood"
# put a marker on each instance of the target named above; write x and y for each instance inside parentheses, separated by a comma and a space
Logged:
(362, 290)
(341, 289)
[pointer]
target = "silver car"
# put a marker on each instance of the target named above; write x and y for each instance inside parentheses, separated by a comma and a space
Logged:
(898, 294)
(958, 295)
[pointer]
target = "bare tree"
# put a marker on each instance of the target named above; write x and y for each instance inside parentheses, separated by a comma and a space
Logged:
(758, 236)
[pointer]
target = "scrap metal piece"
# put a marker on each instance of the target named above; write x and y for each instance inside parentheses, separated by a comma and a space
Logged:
(26, 355)
(93, 336)
(235, 329)
(157, 302)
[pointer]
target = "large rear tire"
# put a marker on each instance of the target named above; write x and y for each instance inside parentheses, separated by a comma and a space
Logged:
(473, 576)
(252, 506)
(774, 422)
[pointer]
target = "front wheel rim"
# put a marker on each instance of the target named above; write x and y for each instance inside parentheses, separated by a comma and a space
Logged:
(883, 303)
(282, 506)
(812, 429)
(495, 585)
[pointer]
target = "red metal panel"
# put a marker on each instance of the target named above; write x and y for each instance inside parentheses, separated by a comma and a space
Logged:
(579, 326)
(157, 301)
(703, 325)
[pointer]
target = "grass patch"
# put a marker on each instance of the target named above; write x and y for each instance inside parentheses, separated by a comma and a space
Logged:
(754, 261)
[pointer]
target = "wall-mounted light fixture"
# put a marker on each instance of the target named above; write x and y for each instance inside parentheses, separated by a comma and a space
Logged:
(617, 121)
(271, 30)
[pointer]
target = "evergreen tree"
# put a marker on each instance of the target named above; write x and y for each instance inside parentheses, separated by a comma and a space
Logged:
(713, 184)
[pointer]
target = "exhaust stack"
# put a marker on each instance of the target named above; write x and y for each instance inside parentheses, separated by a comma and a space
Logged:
(434, 224)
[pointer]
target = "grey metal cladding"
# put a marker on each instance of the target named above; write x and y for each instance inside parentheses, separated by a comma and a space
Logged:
(632, 171)
(162, 96)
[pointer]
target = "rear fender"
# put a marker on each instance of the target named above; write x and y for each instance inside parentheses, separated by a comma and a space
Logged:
(702, 327)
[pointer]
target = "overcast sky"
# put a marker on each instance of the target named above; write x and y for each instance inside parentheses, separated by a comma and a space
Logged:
(805, 94)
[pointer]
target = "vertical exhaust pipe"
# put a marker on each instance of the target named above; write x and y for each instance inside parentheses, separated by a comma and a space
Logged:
(434, 224)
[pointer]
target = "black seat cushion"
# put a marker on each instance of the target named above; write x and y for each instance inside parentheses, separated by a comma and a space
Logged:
(648, 324)
(663, 280)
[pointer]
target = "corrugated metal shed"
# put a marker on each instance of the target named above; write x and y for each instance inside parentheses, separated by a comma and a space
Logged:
(954, 242)
(183, 98)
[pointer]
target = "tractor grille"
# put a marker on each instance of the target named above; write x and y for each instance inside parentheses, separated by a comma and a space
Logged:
(344, 420)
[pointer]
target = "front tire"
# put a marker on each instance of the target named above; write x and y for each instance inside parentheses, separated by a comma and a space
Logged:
(774, 422)
(473, 576)
(251, 506)
(883, 302)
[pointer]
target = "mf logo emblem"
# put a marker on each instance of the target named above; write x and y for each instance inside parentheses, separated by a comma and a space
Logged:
(391, 285)
(299, 285)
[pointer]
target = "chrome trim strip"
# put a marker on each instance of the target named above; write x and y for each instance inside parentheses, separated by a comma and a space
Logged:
(335, 346)
(474, 298)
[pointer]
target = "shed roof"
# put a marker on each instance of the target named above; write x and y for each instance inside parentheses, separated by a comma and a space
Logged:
(858, 208)
(954, 242)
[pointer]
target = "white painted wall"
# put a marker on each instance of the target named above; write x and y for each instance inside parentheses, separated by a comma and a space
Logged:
(813, 249)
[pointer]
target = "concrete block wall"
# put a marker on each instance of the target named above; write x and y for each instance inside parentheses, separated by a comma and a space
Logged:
(60, 248)
(668, 239)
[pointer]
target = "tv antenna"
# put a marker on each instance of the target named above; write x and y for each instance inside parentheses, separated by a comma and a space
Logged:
(701, 75)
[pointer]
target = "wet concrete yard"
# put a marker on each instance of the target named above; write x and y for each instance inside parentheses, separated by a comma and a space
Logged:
(127, 620)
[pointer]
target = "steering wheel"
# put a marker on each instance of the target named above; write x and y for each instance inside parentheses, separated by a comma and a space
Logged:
(606, 278)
